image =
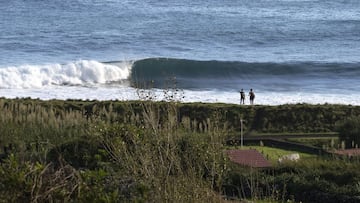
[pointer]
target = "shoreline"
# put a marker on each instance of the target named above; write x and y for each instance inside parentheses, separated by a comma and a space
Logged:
(211, 97)
(220, 104)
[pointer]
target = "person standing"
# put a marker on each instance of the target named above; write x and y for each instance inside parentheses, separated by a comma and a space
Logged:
(242, 97)
(252, 96)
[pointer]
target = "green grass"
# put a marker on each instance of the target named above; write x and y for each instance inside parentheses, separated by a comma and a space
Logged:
(312, 134)
(273, 154)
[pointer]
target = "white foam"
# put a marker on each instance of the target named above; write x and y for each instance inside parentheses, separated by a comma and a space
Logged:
(84, 79)
(129, 93)
(79, 73)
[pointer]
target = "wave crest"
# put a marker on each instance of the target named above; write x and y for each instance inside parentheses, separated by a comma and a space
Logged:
(80, 73)
(232, 74)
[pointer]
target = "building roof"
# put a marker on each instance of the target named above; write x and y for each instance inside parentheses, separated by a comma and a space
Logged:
(248, 157)
(348, 152)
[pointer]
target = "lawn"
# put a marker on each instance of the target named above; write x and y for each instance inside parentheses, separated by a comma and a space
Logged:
(273, 154)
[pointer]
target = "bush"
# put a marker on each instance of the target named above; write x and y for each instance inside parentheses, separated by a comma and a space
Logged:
(79, 154)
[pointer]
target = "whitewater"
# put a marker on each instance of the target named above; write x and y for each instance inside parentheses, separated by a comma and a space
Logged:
(92, 80)
(288, 51)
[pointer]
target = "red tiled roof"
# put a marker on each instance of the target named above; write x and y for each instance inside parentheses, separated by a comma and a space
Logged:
(348, 152)
(248, 157)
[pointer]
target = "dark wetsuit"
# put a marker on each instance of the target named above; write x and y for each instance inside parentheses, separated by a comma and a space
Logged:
(252, 97)
(242, 97)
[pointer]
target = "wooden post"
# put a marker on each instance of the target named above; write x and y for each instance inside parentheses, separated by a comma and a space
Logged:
(241, 133)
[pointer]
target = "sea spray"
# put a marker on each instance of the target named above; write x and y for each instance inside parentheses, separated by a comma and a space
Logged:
(79, 73)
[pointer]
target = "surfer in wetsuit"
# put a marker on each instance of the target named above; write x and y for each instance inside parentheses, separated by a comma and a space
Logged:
(242, 97)
(252, 96)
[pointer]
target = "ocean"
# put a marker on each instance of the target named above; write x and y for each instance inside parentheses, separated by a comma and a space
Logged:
(287, 51)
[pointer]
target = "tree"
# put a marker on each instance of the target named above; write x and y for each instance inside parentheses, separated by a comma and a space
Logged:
(349, 131)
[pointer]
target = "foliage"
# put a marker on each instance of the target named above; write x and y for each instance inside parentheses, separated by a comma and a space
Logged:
(96, 154)
(145, 151)
(310, 180)
(36, 182)
(324, 142)
(349, 131)
(318, 180)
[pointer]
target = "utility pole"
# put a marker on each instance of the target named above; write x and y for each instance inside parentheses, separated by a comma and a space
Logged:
(241, 133)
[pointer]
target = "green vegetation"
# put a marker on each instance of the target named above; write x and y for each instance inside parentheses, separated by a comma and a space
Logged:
(144, 151)
(349, 131)
(310, 180)
(107, 152)
(323, 142)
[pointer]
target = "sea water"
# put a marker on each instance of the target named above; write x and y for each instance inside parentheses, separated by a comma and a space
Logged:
(288, 51)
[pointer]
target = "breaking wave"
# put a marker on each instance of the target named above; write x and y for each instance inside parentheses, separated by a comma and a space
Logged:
(79, 73)
(159, 67)
(231, 74)
(187, 74)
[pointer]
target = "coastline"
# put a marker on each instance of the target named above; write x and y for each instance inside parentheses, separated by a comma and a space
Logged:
(100, 93)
